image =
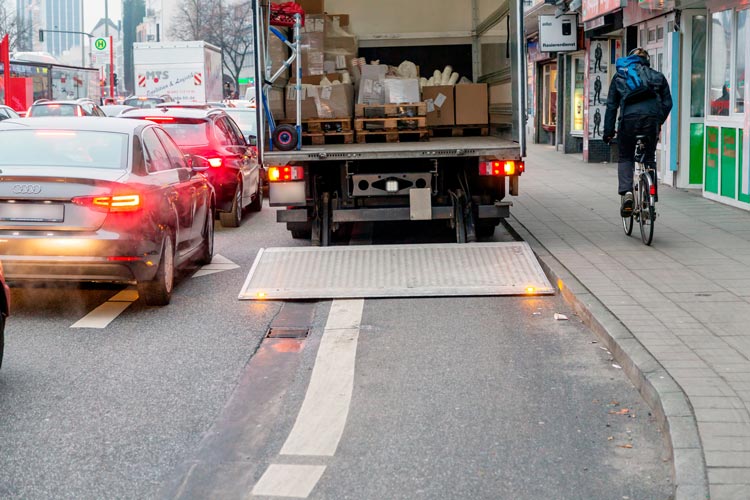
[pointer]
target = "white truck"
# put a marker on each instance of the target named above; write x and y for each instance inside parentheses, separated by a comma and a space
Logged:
(185, 71)
(464, 181)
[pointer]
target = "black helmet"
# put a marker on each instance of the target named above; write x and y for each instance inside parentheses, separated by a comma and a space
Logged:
(641, 52)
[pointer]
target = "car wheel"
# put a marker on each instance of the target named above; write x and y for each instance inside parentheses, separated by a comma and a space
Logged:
(158, 291)
(207, 247)
(234, 216)
(2, 338)
(257, 204)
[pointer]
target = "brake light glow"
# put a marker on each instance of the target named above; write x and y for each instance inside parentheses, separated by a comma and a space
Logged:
(652, 191)
(119, 203)
(123, 258)
(160, 118)
(215, 162)
(498, 168)
(285, 174)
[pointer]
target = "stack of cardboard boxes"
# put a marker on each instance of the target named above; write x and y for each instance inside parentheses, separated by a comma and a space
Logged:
(457, 105)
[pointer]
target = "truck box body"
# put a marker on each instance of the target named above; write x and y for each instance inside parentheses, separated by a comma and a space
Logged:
(448, 177)
(185, 71)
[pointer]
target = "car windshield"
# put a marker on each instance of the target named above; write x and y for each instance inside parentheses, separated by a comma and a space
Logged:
(64, 148)
(188, 133)
(53, 110)
(143, 102)
(244, 119)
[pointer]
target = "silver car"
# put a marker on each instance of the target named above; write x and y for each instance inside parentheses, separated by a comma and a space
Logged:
(101, 200)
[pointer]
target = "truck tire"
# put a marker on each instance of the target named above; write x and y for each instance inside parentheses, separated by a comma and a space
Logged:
(485, 229)
(285, 137)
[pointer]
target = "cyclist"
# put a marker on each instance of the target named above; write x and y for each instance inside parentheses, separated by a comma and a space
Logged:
(643, 96)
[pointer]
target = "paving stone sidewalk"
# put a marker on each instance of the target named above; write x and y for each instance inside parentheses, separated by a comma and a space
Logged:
(686, 298)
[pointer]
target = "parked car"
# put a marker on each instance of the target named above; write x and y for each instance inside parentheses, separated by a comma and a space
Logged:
(4, 310)
(115, 109)
(101, 200)
(6, 112)
(146, 102)
(234, 169)
(78, 107)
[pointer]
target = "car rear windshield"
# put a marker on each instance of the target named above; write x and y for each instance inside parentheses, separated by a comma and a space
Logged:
(188, 133)
(53, 110)
(63, 148)
(143, 102)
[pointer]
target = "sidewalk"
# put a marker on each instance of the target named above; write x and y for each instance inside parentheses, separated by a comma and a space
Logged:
(678, 311)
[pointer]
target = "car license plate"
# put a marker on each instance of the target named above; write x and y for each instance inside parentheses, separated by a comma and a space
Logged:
(32, 212)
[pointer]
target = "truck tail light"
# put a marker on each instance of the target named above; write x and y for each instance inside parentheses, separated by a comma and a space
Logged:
(118, 203)
(285, 174)
(498, 168)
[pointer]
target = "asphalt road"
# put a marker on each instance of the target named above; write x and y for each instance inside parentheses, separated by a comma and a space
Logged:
(452, 398)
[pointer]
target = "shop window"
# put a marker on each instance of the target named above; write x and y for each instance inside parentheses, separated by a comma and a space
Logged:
(643, 38)
(721, 63)
(698, 65)
(549, 94)
(579, 67)
(739, 62)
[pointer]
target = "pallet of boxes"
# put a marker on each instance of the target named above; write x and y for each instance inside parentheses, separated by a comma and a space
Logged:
(456, 107)
(328, 50)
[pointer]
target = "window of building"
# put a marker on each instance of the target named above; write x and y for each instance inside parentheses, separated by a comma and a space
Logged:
(660, 33)
(549, 95)
(739, 62)
(720, 54)
(698, 65)
(579, 67)
(652, 35)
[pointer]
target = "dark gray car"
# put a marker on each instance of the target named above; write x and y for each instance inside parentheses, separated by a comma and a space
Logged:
(100, 200)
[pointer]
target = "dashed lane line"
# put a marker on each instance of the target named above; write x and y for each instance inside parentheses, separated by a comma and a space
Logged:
(282, 480)
(218, 264)
(103, 315)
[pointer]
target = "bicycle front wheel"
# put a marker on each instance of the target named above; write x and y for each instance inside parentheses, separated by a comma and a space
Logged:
(646, 208)
(627, 224)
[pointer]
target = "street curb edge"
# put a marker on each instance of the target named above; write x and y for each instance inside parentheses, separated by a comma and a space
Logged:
(669, 404)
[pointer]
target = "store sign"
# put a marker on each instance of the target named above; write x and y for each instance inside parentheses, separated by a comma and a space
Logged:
(595, 8)
(558, 34)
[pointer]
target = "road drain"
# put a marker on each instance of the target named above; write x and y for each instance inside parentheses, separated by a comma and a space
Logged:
(287, 333)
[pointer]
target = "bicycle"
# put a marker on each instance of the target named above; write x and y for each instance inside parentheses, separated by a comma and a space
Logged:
(644, 194)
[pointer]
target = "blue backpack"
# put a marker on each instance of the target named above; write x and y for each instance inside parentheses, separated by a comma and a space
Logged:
(633, 70)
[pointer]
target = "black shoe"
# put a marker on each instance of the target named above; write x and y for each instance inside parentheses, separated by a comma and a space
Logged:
(626, 205)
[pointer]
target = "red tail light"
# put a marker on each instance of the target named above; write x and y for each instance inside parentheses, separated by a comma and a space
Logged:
(160, 119)
(118, 203)
(652, 191)
(215, 162)
(497, 168)
(285, 174)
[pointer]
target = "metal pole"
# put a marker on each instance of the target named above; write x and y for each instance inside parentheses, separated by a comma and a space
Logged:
(83, 43)
(106, 18)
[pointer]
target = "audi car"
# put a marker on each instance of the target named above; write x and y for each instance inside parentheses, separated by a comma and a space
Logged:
(101, 200)
(79, 107)
(233, 164)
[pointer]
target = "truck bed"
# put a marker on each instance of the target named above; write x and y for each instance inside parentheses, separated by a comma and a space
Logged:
(436, 147)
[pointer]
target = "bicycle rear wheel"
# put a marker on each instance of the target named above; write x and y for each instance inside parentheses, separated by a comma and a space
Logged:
(646, 209)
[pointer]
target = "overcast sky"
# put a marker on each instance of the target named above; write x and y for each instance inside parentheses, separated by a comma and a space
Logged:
(93, 10)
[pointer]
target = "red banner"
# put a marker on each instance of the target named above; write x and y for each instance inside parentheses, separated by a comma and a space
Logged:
(5, 60)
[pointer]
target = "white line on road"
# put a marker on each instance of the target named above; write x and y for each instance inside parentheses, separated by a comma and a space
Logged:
(103, 315)
(296, 481)
(321, 420)
(218, 264)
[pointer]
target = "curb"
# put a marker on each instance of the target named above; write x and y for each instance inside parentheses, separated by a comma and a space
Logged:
(668, 402)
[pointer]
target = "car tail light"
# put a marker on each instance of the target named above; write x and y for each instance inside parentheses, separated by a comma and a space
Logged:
(160, 119)
(285, 174)
(498, 168)
(117, 203)
(215, 162)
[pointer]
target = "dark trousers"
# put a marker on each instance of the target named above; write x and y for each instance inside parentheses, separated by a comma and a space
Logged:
(630, 127)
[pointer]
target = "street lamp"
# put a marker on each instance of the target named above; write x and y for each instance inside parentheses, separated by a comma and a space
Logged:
(83, 58)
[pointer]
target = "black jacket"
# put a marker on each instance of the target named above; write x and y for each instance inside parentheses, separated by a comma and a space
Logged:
(658, 106)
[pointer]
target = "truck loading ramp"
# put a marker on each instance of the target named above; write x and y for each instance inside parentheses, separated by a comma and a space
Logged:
(438, 270)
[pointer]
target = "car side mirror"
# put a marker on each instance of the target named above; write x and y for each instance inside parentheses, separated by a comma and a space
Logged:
(197, 163)
(252, 140)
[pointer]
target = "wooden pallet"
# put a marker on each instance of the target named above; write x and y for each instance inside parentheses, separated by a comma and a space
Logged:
(390, 110)
(460, 131)
(323, 125)
(372, 136)
(323, 138)
(390, 124)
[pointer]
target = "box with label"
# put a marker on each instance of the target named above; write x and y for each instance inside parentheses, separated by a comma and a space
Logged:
(312, 42)
(440, 105)
(317, 101)
(401, 90)
(372, 84)
(335, 101)
(472, 104)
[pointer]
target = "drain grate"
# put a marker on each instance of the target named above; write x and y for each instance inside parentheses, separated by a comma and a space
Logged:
(287, 333)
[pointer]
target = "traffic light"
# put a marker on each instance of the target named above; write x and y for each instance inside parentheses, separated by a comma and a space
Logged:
(114, 77)
(41, 35)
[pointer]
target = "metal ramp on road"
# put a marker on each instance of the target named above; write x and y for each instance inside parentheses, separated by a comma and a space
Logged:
(442, 270)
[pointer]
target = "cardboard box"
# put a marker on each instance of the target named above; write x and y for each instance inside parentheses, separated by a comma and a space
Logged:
(441, 109)
(276, 103)
(312, 6)
(372, 84)
(472, 104)
(335, 101)
(312, 42)
(401, 90)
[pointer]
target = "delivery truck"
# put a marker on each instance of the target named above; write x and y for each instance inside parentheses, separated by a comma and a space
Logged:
(409, 111)
(185, 71)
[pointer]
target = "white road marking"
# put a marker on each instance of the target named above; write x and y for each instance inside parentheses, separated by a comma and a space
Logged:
(296, 481)
(322, 417)
(102, 315)
(127, 295)
(218, 264)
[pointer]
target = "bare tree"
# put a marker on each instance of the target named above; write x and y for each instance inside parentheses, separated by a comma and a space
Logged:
(197, 20)
(10, 23)
(237, 38)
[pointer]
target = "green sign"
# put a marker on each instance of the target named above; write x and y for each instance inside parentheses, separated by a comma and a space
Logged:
(245, 81)
(100, 44)
(711, 182)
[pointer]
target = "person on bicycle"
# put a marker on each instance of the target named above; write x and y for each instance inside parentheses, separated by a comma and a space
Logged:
(642, 95)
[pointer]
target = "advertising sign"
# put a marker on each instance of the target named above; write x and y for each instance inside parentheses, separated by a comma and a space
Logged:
(598, 86)
(558, 34)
